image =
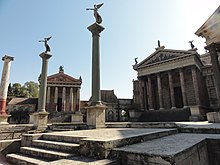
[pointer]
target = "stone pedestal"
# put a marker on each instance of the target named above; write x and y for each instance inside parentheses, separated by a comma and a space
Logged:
(96, 116)
(213, 117)
(40, 119)
(4, 119)
(77, 117)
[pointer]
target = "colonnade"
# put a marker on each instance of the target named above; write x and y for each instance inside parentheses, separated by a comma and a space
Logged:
(147, 88)
(73, 94)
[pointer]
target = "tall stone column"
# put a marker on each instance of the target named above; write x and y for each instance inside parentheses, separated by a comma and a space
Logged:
(48, 96)
(213, 51)
(4, 88)
(64, 99)
(96, 111)
(71, 99)
(56, 97)
(41, 115)
(173, 106)
(95, 29)
(160, 91)
(150, 93)
(78, 101)
(195, 85)
(183, 87)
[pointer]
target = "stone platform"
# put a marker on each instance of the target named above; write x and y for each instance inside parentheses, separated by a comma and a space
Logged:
(136, 143)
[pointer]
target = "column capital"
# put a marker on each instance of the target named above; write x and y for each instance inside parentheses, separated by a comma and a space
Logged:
(45, 55)
(95, 29)
(7, 58)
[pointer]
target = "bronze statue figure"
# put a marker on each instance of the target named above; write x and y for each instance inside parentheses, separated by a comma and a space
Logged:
(96, 14)
(191, 44)
(61, 69)
(46, 44)
(136, 60)
(158, 43)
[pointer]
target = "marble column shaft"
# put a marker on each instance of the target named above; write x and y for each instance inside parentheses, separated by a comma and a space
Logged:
(71, 99)
(48, 95)
(150, 93)
(215, 66)
(195, 85)
(64, 99)
(43, 82)
(171, 90)
(160, 91)
(95, 29)
(4, 83)
(183, 87)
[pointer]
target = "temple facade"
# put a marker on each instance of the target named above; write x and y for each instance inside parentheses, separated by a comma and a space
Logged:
(63, 92)
(175, 79)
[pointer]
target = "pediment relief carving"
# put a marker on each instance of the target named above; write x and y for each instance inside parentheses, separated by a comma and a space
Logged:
(160, 56)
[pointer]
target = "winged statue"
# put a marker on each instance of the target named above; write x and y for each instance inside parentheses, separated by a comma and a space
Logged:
(46, 44)
(96, 14)
(191, 44)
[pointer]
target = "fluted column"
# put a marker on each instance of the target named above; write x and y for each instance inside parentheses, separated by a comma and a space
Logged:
(4, 83)
(78, 101)
(56, 97)
(64, 99)
(43, 82)
(48, 95)
(160, 91)
(71, 99)
(150, 93)
(172, 98)
(183, 88)
(195, 85)
(213, 51)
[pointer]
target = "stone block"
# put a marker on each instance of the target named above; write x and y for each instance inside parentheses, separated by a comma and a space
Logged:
(77, 117)
(40, 119)
(96, 116)
(4, 119)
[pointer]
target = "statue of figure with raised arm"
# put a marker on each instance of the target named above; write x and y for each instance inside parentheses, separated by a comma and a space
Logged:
(96, 14)
(191, 44)
(46, 44)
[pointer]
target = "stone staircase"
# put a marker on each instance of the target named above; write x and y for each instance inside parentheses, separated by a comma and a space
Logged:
(50, 149)
(61, 148)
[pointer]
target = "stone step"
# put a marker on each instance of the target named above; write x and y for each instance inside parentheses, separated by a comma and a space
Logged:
(79, 160)
(20, 159)
(54, 145)
(61, 138)
(174, 149)
(45, 154)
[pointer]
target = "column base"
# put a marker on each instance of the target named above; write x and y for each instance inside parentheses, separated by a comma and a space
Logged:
(4, 119)
(77, 117)
(96, 115)
(161, 109)
(40, 119)
(173, 108)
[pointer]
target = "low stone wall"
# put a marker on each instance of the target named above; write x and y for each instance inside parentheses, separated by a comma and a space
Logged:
(10, 146)
(165, 115)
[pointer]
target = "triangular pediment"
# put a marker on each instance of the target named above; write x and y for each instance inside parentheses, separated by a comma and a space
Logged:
(163, 55)
(62, 77)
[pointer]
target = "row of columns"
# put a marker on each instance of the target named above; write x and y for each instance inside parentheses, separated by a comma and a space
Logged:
(148, 89)
(73, 103)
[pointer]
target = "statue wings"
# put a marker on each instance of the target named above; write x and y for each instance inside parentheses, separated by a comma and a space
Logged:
(99, 5)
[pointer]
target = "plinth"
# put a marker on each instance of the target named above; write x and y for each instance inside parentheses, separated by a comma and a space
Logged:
(77, 117)
(40, 119)
(4, 119)
(96, 116)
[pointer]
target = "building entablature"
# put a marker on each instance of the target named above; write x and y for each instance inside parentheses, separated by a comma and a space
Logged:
(165, 60)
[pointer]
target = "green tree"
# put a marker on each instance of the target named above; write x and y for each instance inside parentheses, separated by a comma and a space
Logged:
(29, 89)
(32, 88)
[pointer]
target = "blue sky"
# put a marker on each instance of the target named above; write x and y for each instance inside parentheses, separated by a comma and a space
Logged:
(132, 29)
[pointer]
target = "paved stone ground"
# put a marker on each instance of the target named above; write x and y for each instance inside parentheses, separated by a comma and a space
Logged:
(169, 145)
(106, 134)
